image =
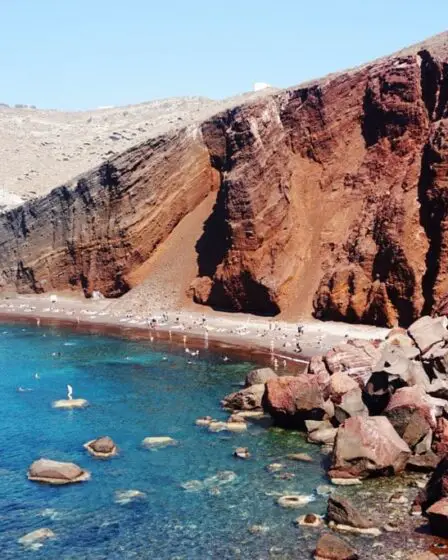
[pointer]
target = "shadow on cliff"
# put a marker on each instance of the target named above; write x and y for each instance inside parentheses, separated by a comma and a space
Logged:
(240, 293)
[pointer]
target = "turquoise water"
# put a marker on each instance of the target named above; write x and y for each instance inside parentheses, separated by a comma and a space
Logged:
(136, 390)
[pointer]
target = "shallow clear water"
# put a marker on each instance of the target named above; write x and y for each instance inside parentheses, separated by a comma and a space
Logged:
(134, 393)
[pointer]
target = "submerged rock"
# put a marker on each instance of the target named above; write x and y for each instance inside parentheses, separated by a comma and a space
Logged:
(295, 500)
(192, 485)
(227, 426)
(157, 442)
(103, 447)
(204, 421)
(55, 472)
(124, 497)
(309, 520)
(70, 403)
(36, 538)
(258, 529)
(242, 453)
(304, 457)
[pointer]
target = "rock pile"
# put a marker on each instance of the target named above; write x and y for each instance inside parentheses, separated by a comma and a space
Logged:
(382, 403)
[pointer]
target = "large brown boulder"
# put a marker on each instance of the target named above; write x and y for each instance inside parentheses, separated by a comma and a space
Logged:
(249, 398)
(368, 446)
(292, 400)
(259, 376)
(55, 472)
(331, 547)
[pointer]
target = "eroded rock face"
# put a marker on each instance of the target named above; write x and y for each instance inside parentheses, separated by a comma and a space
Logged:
(330, 198)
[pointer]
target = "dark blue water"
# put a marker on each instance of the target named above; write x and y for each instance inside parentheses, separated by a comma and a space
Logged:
(134, 393)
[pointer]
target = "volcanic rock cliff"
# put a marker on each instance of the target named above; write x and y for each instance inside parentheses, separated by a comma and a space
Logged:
(330, 198)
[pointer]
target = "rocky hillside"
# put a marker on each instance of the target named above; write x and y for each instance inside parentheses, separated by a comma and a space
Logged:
(330, 198)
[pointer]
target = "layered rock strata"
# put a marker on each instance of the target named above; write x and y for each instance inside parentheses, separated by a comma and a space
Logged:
(330, 198)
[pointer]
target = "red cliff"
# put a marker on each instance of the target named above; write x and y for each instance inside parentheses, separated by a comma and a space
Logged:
(330, 198)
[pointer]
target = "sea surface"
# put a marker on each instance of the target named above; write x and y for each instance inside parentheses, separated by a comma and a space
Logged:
(139, 389)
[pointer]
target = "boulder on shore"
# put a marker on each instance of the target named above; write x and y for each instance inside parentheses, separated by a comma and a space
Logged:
(411, 414)
(436, 487)
(102, 447)
(249, 398)
(259, 376)
(428, 331)
(331, 547)
(368, 446)
(341, 511)
(291, 400)
(438, 517)
(56, 472)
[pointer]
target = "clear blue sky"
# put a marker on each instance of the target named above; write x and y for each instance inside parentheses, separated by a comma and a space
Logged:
(76, 54)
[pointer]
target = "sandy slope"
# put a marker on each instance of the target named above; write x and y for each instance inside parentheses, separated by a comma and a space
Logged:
(41, 149)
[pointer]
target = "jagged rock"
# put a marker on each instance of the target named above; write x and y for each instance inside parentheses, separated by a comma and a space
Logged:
(341, 383)
(411, 414)
(56, 472)
(341, 511)
(441, 437)
(350, 404)
(438, 517)
(246, 399)
(259, 376)
(318, 368)
(204, 421)
(331, 547)
(428, 331)
(356, 358)
(103, 447)
(423, 463)
(320, 432)
(368, 446)
(436, 487)
(400, 368)
(292, 400)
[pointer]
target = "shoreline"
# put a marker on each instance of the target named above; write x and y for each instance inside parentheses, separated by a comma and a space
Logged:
(264, 339)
